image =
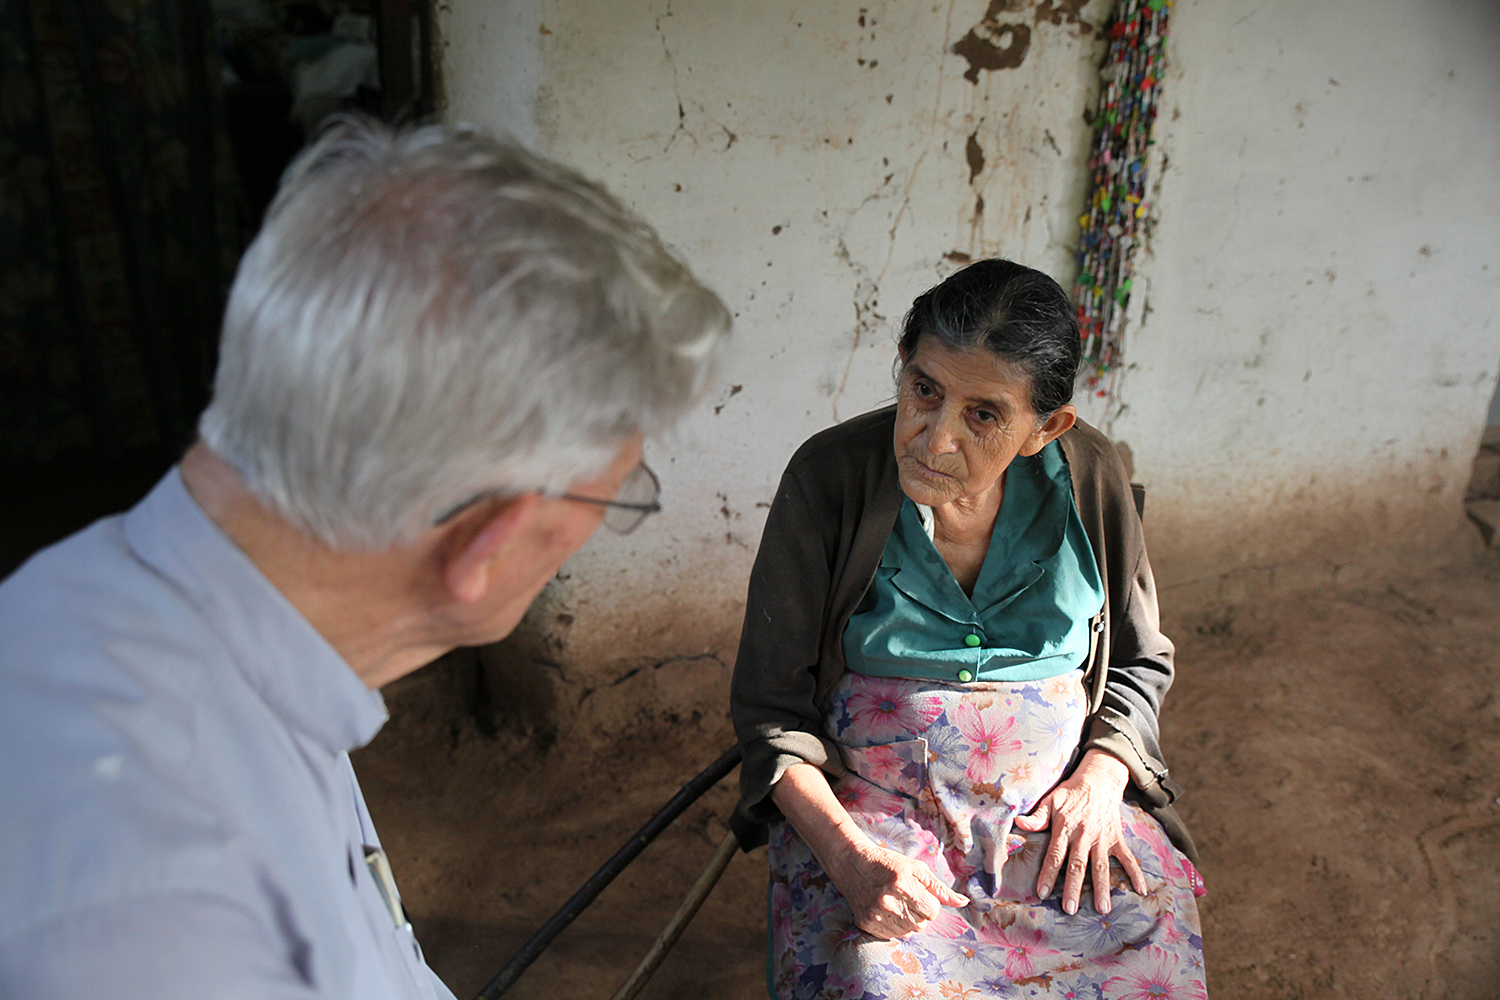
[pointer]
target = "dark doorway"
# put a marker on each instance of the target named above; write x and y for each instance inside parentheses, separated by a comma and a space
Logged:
(142, 143)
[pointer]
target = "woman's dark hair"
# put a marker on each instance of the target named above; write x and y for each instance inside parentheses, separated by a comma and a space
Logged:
(1010, 310)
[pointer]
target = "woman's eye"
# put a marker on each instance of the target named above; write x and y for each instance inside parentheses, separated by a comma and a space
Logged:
(923, 390)
(985, 417)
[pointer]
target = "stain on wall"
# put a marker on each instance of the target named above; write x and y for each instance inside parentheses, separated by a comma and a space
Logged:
(975, 155)
(993, 44)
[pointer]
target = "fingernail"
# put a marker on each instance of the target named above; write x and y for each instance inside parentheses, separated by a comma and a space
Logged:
(1044, 890)
(1070, 907)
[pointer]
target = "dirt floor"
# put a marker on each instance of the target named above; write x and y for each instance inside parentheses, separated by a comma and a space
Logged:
(1341, 752)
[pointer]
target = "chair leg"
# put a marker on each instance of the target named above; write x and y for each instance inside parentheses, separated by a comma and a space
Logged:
(634, 983)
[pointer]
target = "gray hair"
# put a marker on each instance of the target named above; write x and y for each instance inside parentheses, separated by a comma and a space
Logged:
(432, 313)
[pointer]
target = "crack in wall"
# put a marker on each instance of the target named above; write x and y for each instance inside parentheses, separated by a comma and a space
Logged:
(860, 303)
(666, 49)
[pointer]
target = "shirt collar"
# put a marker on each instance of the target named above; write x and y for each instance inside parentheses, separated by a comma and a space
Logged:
(300, 676)
(929, 523)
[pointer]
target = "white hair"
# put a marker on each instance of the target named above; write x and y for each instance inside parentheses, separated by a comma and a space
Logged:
(432, 313)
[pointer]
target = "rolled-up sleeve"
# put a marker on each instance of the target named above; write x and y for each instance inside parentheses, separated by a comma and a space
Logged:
(774, 692)
(1140, 670)
(1138, 658)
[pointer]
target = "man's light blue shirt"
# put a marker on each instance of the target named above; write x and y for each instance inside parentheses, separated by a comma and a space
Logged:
(178, 815)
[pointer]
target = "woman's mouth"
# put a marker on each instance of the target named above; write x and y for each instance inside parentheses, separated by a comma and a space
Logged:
(924, 469)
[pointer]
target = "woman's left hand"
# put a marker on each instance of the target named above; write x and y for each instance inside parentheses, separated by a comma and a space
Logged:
(1084, 813)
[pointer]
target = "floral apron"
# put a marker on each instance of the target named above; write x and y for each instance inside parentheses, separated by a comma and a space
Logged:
(937, 772)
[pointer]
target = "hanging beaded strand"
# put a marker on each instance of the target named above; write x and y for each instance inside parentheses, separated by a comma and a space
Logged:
(1114, 226)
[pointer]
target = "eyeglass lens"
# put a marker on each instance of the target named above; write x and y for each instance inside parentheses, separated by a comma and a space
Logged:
(640, 487)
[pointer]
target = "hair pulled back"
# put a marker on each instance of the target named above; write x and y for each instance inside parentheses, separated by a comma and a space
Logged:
(1013, 311)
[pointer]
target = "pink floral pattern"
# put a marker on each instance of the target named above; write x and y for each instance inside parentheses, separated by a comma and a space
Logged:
(1159, 979)
(938, 772)
(991, 739)
(882, 709)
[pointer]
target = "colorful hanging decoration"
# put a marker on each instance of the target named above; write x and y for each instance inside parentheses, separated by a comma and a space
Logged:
(1114, 226)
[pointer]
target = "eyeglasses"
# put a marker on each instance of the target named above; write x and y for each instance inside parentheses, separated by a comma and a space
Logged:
(638, 496)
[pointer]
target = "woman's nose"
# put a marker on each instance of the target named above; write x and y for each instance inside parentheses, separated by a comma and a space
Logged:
(942, 438)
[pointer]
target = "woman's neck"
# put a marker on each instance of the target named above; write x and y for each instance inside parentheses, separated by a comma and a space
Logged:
(961, 533)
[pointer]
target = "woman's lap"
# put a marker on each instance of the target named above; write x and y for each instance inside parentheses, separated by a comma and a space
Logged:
(1007, 943)
(929, 801)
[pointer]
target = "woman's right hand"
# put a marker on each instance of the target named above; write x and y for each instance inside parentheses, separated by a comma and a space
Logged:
(889, 894)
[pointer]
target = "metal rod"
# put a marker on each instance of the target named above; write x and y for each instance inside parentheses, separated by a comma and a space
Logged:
(686, 796)
(685, 913)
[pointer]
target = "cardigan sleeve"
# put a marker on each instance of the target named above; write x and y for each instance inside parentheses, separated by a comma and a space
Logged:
(774, 691)
(1140, 671)
(1137, 658)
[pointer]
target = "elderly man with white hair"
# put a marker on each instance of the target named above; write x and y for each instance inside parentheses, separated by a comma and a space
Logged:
(439, 360)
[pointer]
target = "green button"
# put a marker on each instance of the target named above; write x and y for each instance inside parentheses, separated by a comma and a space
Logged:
(971, 640)
(965, 676)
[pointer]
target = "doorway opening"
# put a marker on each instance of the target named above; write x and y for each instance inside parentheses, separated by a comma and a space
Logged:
(289, 64)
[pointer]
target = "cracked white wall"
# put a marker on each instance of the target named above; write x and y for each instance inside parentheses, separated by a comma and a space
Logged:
(820, 164)
(815, 164)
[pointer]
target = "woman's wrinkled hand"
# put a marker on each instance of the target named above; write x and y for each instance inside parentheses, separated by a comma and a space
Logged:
(1084, 814)
(890, 894)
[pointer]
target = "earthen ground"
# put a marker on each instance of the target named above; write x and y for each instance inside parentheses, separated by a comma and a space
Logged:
(1341, 751)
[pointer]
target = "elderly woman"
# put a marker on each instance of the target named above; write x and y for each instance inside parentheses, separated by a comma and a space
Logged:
(948, 684)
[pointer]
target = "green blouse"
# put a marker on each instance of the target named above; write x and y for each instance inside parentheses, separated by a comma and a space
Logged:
(1029, 616)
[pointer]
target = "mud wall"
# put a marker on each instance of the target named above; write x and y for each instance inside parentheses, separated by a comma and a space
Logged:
(1316, 343)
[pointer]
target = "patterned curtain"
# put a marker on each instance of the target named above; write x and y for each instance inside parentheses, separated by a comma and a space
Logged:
(118, 227)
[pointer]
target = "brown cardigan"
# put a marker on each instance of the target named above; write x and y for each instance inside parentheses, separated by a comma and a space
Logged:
(824, 536)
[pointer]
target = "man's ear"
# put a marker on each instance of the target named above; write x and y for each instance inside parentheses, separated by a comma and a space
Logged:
(468, 565)
(1059, 423)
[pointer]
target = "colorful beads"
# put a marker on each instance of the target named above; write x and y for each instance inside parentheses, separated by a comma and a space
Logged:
(1113, 228)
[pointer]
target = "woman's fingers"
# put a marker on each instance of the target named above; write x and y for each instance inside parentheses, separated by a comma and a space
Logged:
(1038, 819)
(1078, 865)
(913, 902)
(1081, 851)
(1087, 854)
(1132, 867)
(1057, 846)
(1101, 854)
(1122, 853)
(895, 895)
(1052, 861)
(945, 895)
(1084, 813)
(898, 913)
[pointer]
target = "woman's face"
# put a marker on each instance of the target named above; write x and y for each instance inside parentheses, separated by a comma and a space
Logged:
(961, 417)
